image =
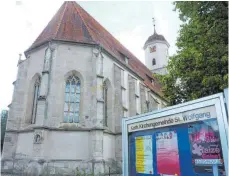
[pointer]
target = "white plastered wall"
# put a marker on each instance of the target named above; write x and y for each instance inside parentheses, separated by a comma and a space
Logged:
(161, 55)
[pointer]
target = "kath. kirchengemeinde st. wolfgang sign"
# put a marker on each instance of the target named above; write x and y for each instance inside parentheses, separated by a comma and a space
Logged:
(185, 117)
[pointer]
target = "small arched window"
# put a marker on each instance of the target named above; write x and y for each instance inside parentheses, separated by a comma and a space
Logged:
(154, 61)
(35, 98)
(105, 94)
(72, 100)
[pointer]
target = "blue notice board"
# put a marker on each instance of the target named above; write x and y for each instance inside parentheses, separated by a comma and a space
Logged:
(181, 140)
(185, 166)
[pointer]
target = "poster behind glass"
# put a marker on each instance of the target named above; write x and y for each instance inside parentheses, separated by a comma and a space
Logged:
(167, 153)
(205, 146)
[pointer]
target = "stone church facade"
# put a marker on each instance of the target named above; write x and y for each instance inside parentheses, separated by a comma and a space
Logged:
(71, 92)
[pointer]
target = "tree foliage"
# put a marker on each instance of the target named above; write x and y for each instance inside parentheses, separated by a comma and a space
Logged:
(200, 67)
(4, 116)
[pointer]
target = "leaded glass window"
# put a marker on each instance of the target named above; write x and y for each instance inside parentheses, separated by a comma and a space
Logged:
(35, 98)
(72, 100)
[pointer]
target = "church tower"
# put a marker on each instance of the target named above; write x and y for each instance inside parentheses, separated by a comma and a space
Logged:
(156, 53)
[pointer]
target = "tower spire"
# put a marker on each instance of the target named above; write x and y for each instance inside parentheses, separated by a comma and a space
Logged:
(154, 24)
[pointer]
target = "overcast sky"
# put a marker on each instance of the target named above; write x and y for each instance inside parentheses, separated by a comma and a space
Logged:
(129, 21)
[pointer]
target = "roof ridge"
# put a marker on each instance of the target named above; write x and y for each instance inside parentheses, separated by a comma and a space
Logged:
(60, 20)
(74, 3)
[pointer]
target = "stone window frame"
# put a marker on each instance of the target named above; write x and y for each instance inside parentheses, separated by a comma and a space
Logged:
(76, 74)
(28, 118)
(124, 92)
(147, 99)
(137, 96)
(107, 116)
(36, 91)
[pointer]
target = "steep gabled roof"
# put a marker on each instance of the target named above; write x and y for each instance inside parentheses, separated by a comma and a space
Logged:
(73, 23)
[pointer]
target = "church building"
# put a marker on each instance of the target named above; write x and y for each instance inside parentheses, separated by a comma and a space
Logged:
(71, 92)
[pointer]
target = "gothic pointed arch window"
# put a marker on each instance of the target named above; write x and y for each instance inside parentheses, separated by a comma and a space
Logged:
(105, 97)
(154, 61)
(72, 100)
(35, 99)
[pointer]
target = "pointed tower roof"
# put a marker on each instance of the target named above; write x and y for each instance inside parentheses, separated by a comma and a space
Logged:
(72, 23)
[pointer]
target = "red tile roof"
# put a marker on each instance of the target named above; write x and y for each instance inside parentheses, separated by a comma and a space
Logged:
(73, 23)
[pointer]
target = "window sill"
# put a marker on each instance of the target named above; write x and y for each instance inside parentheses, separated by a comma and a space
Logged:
(69, 122)
(76, 125)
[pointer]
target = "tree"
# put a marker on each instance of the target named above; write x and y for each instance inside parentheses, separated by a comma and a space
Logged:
(200, 67)
(4, 116)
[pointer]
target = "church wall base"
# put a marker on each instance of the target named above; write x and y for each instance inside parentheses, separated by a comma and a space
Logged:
(31, 167)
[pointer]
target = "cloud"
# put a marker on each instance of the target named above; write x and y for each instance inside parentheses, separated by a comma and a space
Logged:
(133, 41)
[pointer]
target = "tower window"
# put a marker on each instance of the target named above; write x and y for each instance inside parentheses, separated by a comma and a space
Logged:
(154, 61)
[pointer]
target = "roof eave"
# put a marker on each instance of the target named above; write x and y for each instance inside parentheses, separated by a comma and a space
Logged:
(155, 41)
(32, 48)
(55, 40)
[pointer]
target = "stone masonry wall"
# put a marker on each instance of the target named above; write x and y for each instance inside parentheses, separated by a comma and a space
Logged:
(118, 99)
(143, 99)
(132, 96)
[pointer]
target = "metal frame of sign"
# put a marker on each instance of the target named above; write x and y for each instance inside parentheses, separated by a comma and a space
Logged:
(225, 92)
(216, 100)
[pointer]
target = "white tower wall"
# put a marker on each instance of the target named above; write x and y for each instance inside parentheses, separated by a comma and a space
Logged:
(160, 55)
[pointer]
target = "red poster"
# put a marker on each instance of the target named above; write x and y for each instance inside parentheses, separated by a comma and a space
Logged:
(167, 153)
